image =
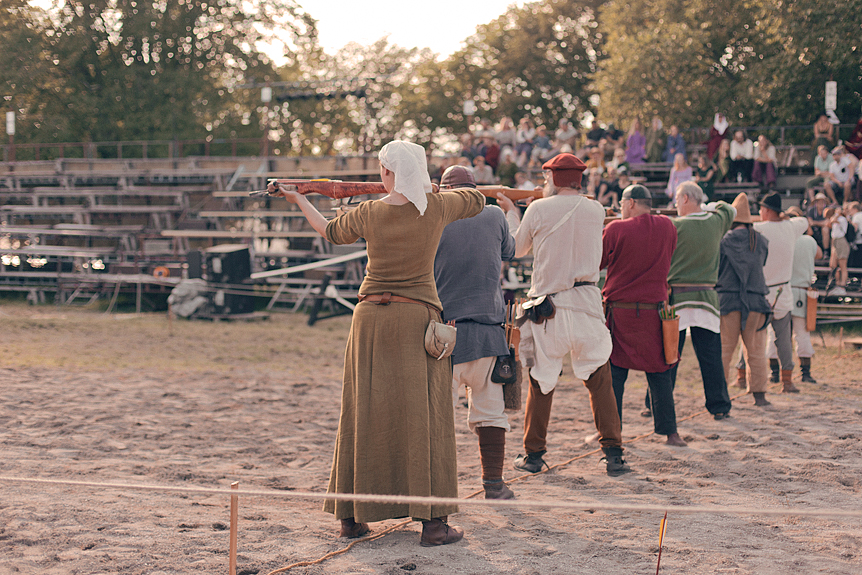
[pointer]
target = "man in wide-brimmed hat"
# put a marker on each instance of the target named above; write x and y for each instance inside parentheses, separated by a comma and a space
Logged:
(742, 293)
(782, 234)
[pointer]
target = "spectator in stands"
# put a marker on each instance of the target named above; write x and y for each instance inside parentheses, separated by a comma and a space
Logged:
(722, 161)
(482, 172)
(598, 189)
(614, 138)
(822, 161)
(854, 213)
(492, 152)
(466, 142)
(597, 158)
(506, 133)
(705, 176)
(818, 222)
(741, 157)
(524, 137)
(635, 144)
(541, 147)
(764, 163)
(522, 182)
(595, 135)
(484, 130)
(618, 180)
(853, 144)
(679, 173)
(655, 140)
(508, 168)
(824, 132)
(841, 178)
(619, 159)
(566, 133)
(717, 133)
(675, 144)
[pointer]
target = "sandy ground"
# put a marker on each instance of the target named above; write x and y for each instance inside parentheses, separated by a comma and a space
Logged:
(142, 400)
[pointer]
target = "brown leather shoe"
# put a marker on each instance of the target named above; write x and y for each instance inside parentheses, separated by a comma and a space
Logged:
(351, 529)
(498, 490)
(438, 532)
(787, 382)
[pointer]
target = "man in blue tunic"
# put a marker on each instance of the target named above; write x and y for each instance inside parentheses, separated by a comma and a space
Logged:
(467, 273)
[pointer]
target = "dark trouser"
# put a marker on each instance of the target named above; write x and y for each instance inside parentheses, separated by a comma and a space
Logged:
(783, 329)
(707, 348)
(743, 167)
(661, 397)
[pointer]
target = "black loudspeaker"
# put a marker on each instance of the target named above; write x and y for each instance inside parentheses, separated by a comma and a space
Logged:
(195, 262)
(228, 267)
(228, 264)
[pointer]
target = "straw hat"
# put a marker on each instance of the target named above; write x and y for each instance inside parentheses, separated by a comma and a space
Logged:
(743, 211)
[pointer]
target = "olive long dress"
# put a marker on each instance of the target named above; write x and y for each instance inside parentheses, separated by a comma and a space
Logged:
(396, 434)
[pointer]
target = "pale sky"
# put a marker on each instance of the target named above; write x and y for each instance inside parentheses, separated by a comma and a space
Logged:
(440, 25)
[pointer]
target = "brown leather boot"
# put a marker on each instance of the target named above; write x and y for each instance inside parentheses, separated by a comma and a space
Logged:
(774, 367)
(492, 451)
(351, 529)
(787, 381)
(741, 382)
(497, 490)
(760, 399)
(438, 532)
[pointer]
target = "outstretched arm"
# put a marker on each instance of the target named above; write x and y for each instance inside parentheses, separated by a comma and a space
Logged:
(315, 218)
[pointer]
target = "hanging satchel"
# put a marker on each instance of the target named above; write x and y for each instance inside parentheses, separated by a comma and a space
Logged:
(440, 339)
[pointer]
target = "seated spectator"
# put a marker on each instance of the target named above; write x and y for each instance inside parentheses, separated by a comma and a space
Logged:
(854, 215)
(822, 161)
(618, 180)
(722, 161)
(522, 183)
(506, 133)
(741, 157)
(484, 130)
(566, 133)
(840, 178)
(492, 152)
(818, 222)
(705, 176)
(853, 144)
(824, 132)
(507, 169)
(524, 137)
(764, 163)
(840, 248)
(595, 135)
(609, 192)
(674, 145)
(619, 159)
(541, 147)
(679, 173)
(482, 172)
(597, 188)
(466, 143)
(636, 144)
(597, 159)
(614, 139)
(655, 140)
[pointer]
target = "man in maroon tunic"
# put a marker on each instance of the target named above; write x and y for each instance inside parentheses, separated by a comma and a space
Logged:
(636, 252)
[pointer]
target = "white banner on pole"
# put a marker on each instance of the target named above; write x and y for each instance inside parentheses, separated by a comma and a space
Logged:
(10, 123)
(832, 96)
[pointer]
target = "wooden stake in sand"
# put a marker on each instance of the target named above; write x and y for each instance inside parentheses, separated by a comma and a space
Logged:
(840, 340)
(234, 511)
(660, 541)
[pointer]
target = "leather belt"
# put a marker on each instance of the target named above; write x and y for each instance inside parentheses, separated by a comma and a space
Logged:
(387, 298)
(579, 284)
(689, 288)
(633, 305)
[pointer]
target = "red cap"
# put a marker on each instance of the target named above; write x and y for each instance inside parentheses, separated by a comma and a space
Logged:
(568, 170)
(457, 177)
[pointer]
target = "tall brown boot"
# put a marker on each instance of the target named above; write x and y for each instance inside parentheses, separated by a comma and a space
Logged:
(774, 366)
(492, 451)
(787, 381)
(741, 382)
(536, 417)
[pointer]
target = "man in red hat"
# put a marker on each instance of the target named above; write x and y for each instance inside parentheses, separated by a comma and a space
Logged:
(637, 252)
(564, 231)
(467, 274)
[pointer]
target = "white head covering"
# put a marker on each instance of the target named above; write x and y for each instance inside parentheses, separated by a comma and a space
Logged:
(408, 162)
(720, 123)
